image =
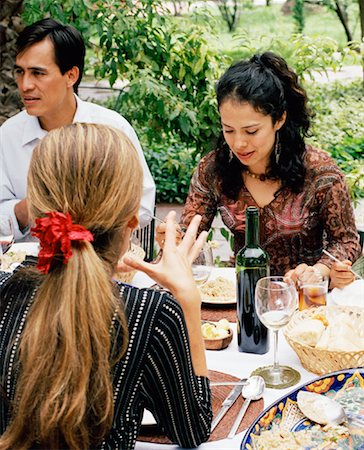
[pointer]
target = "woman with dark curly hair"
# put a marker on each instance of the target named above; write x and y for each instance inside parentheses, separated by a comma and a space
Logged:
(261, 160)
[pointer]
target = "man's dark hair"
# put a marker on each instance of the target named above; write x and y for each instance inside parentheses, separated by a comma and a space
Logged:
(69, 47)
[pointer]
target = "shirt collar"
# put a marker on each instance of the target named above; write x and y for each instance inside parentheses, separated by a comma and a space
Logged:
(33, 130)
(82, 112)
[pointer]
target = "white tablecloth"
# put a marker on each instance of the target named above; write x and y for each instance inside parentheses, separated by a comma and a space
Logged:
(233, 362)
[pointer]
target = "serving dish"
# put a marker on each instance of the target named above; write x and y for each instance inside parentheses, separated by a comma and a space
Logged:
(346, 387)
(219, 343)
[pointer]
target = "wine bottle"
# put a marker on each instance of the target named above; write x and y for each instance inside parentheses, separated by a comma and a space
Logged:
(252, 263)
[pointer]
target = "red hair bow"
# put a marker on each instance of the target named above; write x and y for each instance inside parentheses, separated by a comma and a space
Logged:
(55, 233)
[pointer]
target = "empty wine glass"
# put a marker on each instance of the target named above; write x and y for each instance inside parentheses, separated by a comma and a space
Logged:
(6, 235)
(202, 265)
(275, 303)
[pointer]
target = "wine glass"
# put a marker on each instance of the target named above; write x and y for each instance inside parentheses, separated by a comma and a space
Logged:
(275, 303)
(6, 235)
(202, 265)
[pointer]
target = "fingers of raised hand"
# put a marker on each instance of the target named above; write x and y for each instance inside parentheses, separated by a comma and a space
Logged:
(189, 237)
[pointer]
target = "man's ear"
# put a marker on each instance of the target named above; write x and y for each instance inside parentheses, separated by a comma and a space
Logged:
(72, 76)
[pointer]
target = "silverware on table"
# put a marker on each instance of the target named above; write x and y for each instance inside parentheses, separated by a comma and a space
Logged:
(253, 390)
(338, 260)
(242, 382)
(227, 403)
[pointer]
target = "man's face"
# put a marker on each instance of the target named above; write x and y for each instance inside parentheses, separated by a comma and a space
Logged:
(42, 87)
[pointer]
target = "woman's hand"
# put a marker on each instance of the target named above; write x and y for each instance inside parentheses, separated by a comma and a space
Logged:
(340, 274)
(160, 234)
(173, 270)
(305, 272)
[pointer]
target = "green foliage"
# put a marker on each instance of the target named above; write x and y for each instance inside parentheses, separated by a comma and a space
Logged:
(171, 166)
(168, 66)
(305, 54)
(338, 128)
(299, 15)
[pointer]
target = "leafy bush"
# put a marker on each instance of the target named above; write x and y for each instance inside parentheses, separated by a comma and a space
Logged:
(171, 165)
(338, 128)
(167, 64)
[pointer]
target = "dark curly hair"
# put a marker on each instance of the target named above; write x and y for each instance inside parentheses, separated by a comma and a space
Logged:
(271, 87)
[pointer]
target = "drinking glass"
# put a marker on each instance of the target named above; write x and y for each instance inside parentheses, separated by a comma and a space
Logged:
(202, 265)
(6, 235)
(275, 303)
(312, 290)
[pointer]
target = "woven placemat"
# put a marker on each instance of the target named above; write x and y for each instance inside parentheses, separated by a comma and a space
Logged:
(219, 393)
(215, 313)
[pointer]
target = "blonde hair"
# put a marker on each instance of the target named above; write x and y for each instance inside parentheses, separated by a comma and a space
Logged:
(64, 395)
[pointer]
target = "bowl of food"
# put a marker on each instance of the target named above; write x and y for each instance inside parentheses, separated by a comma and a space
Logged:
(328, 338)
(216, 335)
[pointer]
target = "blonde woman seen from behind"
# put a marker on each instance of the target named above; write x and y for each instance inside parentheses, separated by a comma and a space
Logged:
(81, 355)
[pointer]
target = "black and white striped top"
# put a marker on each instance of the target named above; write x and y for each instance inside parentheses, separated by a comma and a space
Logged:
(155, 373)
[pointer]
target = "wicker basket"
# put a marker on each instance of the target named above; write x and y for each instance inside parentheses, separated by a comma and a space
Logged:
(127, 277)
(321, 361)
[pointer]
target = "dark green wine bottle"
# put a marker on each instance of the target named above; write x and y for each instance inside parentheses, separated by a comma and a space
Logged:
(252, 263)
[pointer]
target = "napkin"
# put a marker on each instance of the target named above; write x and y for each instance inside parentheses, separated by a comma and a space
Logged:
(350, 295)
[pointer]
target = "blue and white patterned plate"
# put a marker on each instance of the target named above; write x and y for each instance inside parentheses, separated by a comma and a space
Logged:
(346, 387)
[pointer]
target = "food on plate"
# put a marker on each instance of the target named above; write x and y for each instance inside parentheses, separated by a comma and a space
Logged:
(218, 330)
(11, 257)
(220, 288)
(320, 409)
(308, 331)
(333, 332)
(277, 438)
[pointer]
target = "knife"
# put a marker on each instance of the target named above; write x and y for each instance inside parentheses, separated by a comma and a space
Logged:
(227, 403)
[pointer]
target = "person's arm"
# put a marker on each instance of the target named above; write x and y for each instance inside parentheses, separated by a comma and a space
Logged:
(180, 400)
(339, 222)
(201, 197)
(10, 205)
(173, 271)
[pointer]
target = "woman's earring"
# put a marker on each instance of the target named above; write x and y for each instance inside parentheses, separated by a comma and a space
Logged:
(230, 155)
(277, 148)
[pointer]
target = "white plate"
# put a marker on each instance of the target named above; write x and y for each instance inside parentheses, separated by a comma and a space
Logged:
(229, 274)
(148, 418)
(30, 248)
(350, 295)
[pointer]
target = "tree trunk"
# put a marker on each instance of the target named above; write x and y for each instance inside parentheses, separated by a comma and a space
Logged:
(361, 11)
(10, 26)
(343, 16)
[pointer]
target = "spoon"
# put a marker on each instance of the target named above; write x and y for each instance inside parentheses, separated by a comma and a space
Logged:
(253, 390)
(320, 408)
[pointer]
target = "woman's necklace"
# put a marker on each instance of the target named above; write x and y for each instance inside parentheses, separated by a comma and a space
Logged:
(260, 176)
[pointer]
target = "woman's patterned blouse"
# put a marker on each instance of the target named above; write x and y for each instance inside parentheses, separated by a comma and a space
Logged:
(155, 373)
(294, 228)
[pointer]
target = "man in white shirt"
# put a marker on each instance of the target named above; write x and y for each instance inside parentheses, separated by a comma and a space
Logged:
(49, 67)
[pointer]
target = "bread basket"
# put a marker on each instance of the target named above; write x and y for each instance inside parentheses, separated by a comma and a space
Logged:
(321, 361)
(127, 277)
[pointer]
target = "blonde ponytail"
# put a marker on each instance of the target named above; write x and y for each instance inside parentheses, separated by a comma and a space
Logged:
(64, 396)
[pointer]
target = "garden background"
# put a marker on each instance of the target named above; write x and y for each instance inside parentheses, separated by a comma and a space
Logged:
(162, 60)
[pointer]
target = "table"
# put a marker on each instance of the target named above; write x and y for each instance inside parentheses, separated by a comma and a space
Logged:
(231, 361)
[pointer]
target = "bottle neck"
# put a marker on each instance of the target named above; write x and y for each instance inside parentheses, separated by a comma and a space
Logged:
(252, 230)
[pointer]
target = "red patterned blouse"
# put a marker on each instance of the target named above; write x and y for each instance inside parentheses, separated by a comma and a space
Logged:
(294, 228)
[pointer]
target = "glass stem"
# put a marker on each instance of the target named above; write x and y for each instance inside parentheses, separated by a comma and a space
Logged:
(275, 360)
